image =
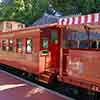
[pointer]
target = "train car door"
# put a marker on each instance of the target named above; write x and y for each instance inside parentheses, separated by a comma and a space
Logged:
(55, 50)
(44, 55)
(49, 53)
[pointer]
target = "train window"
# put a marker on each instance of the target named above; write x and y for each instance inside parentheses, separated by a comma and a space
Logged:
(99, 44)
(1, 26)
(20, 26)
(8, 26)
(54, 36)
(84, 44)
(45, 42)
(19, 45)
(11, 42)
(4, 43)
(94, 44)
(70, 44)
(29, 46)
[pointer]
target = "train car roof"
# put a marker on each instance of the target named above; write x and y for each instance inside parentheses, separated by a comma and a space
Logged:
(80, 23)
(38, 27)
(23, 32)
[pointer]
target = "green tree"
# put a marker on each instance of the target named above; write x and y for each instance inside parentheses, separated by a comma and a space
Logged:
(25, 11)
(74, 6)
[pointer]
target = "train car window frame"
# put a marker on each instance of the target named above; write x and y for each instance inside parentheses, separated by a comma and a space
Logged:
(54, 36)
(8, 26)
(84, 44)
(11, 45)
(70, 44)
(98, 44)
(19, 48)
(4, 44)
(20, 26)
(44, 43)
(1, 26)
(29, 50)
(94, 44)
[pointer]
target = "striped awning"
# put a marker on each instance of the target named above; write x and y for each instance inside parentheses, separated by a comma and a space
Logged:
(86, 19)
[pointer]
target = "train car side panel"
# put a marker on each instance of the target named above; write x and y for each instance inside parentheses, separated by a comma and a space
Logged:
(21, 57)
(83, 66)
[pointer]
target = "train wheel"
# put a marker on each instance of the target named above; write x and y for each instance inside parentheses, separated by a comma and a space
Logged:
(93, 96)
(72, 91)
(32, 77)
(23, 74)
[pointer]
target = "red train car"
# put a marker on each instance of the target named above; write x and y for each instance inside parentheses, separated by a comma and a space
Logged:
(30, 50)
(68, 50)
(81, 51)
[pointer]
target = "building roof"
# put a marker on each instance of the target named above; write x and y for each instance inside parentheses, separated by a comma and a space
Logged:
(46, 19)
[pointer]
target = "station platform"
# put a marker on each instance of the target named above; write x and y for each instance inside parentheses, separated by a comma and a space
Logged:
(15, 88)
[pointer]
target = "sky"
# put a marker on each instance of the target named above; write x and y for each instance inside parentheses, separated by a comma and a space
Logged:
(5, 1)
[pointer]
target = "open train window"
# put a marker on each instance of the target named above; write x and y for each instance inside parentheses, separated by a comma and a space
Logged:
(94, 44)
(54, 36)
(29, 45)
(44, 43)
(8, 26)
(70, 44)
(11, 42)
(1, 26)
(84, 44)
(4, 45)
(19, 45)
(99, 44)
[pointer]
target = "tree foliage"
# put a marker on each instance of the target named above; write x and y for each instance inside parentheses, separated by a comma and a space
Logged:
(25, 11)
(67, 7)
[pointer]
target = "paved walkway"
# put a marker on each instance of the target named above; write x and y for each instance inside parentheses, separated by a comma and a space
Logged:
(12, 88)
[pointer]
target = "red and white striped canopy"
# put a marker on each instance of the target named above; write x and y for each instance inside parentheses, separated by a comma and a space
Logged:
(86, 19)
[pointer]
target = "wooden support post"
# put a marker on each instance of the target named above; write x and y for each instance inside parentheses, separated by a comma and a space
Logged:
(88, 34)
(61, 53)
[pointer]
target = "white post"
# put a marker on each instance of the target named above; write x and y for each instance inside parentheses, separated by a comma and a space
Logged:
(97, 43)
(78, 43)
